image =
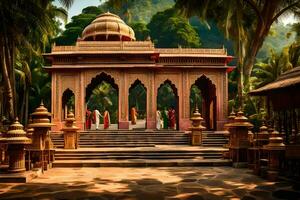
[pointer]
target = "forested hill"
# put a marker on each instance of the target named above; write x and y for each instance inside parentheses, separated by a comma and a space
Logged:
(133, 11)
(167, 28)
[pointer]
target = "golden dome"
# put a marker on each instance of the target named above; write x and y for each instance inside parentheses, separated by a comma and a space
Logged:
(108, 27)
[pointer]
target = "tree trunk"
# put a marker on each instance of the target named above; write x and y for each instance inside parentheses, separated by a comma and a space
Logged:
(240, 89)
(7, 84)
(22, 110)
(26, 106)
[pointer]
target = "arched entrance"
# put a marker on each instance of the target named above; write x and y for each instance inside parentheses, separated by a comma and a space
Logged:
(68, 102)
(203, 94)
(103, 94)
(137, 99)
(167, 98)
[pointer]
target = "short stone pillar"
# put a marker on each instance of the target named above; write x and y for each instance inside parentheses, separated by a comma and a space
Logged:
(196, 129)
(70, 132)
(254, 153)
(275, 154)
(16, 139)
(238, 140)
(262, 137)
(41, 151)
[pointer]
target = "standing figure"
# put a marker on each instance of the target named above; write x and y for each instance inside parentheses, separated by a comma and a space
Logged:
(133, 114)
(97, 116)
(88, 120)
(165, 118)
(158, 120)
(172, 118)
(106, 119)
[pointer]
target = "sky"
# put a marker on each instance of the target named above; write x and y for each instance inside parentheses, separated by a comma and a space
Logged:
(78, 5)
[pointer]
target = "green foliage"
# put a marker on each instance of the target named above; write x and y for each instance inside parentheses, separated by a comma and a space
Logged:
(210, 34)
(166, 97)
(195, 99)
(77, 24)
(268, 71)
(105, 97)
(281, 36)
(141, 31)
(170, 29)
(136, 10)
(138, 99)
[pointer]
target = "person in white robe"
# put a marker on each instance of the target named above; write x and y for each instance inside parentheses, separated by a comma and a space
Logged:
(97, 116)
(158, 120)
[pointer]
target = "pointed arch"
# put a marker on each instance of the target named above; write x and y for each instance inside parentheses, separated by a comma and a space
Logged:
(167, 100)
(137, 82)
(97, 81)
(173, 86)
(68, 102)
(208, 100)
(137, 99)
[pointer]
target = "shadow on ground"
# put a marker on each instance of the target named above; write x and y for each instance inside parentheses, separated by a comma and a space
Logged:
(187, 183)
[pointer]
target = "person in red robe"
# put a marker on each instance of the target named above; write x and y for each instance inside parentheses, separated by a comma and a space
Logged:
(172, 118)
(133, 115)
(88, 120)
(106, 119)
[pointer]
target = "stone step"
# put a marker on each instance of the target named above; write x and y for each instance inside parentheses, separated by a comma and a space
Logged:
(109, 145)
(137, 157)
(142, 163)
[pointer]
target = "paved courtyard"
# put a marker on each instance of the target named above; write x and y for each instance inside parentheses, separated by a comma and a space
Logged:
(186, 183)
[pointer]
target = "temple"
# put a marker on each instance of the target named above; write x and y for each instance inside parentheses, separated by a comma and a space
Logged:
(107, 51)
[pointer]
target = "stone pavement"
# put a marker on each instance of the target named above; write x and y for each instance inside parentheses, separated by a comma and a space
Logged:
(185, 183)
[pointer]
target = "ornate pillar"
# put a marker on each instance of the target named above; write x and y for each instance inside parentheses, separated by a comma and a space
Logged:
(123, 102)
(185, 115)
(80, 106)
(151, 102)
(222, 100)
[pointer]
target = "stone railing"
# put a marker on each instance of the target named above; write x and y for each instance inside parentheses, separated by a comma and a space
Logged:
(192, 51)
(101, 46)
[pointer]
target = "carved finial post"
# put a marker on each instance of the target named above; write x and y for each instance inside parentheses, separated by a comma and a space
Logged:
(197, 128)
(70, 131)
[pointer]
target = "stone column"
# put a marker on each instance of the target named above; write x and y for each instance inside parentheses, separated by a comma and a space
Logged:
(196, 129)
(16, 138)
(238, 140)
(123, 103)
(151, 102)
(71, 136)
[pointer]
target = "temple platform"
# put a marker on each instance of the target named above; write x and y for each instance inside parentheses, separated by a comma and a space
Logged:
(18, 177)
(156, 156)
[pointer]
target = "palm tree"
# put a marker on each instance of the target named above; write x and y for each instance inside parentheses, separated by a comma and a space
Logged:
(21, 21)
(246, 22)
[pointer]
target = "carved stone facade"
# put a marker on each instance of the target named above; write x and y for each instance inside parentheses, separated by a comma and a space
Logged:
(107, 50)
(74, 68)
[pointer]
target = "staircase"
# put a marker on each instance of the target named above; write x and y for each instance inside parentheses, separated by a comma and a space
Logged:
(140, 149)
(97, 139)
